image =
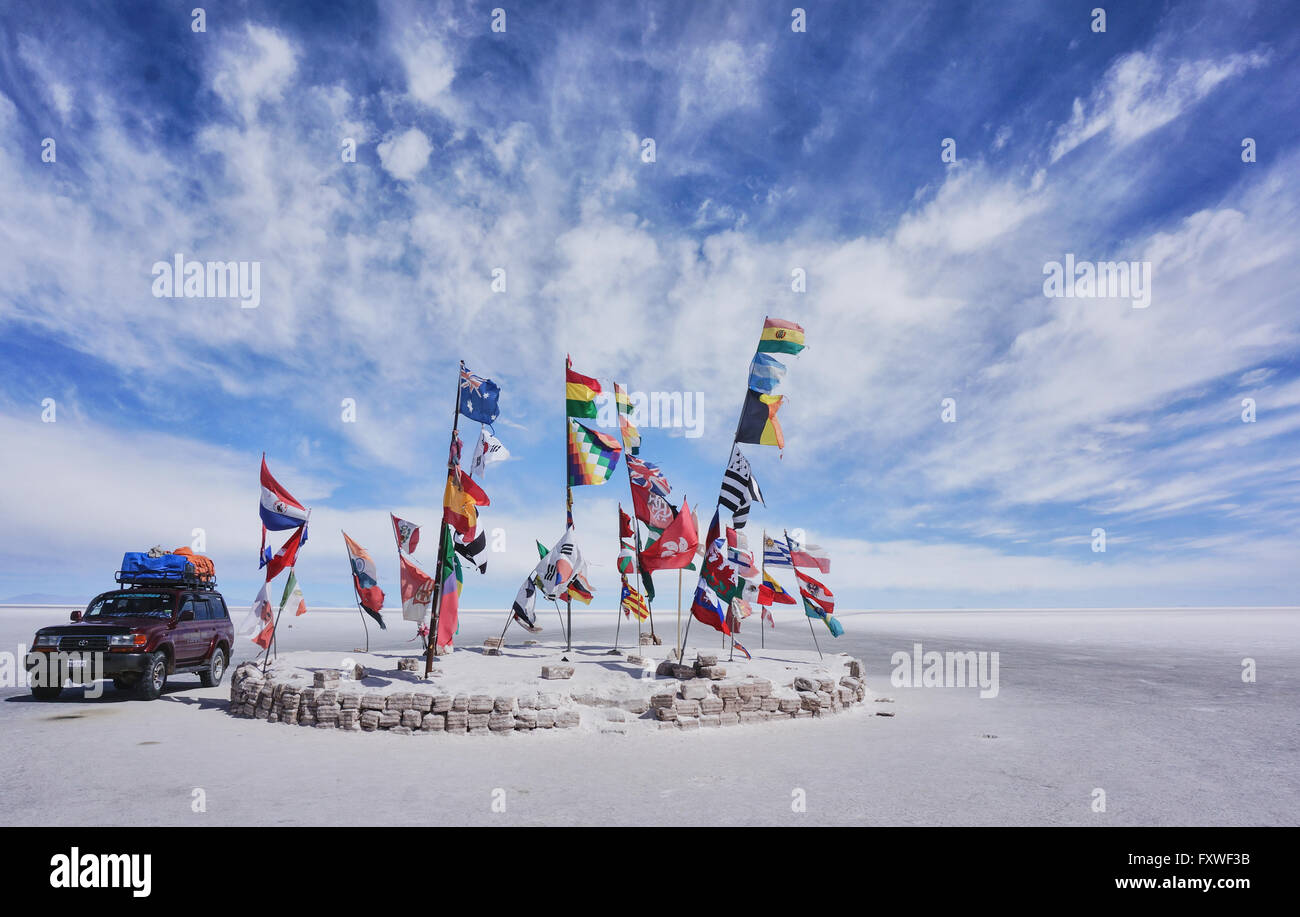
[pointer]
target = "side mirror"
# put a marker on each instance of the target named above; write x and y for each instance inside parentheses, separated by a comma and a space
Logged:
(75, 616)
(186, 615)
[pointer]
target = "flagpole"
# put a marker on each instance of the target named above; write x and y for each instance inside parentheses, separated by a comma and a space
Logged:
(805, 607)
(618, 609)
(679, 602)
(762, 581)
(442, 539)
(356, 595)
(568, 506)
(275, 625)
(636, 521)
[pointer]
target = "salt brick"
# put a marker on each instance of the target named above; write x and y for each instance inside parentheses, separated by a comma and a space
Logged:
(460, 703)
(433, 722)
(556, 672)
(389, 718)
(688, 722)
(441, 703)
(689, 708)
(695, 689)
(566, 719)
(477, 720)
(545, 719)
(411, 718)
(504, 704)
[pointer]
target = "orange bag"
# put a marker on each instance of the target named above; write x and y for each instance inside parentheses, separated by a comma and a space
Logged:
(203, 566)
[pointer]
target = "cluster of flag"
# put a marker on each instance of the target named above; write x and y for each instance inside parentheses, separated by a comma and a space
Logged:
(279, 511)
(758, 423)
(818, 600)
(729, 580)
(462, 496)
(561, 573)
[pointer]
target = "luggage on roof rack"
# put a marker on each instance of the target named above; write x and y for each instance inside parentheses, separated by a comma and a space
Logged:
(139, 569)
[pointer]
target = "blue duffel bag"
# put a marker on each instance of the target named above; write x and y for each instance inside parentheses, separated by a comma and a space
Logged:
(138, 567)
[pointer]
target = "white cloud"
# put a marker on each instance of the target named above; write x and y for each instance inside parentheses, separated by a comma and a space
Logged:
(1142, 92)
(254, 70)
(405, 155)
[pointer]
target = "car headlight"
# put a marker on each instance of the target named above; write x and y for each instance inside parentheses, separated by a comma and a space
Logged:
(128, 640)
(46, 640)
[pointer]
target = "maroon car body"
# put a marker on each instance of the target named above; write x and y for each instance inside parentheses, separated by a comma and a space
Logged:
(139, 636)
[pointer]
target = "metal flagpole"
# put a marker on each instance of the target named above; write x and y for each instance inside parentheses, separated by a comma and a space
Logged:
(796, 577)
(442, 539)
(762, 579)
(636, 521)
(356, 595)
(679, 604)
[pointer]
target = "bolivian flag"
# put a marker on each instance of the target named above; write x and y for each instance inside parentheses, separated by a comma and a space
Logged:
(758, 422)
(780, 336)
(579, 392)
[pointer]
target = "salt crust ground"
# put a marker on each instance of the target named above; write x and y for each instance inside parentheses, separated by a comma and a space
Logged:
(1148, 704)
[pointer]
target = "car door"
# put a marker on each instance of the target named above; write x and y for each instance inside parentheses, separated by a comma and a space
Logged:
(187, 636)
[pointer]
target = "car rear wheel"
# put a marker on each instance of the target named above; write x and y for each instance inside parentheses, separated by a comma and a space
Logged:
(46, 693)
(153, 679)
(216, 669)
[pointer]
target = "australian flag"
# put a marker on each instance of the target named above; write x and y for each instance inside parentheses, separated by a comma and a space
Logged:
(478, 397)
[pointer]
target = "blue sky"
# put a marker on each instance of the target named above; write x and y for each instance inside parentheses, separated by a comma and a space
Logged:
(775, 150)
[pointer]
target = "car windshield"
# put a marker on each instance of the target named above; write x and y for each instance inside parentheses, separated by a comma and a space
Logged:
(131, 605)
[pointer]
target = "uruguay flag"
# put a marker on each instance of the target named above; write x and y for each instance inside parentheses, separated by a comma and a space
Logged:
(279, 510)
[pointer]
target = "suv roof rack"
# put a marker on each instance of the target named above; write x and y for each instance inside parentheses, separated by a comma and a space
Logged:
(190, 579)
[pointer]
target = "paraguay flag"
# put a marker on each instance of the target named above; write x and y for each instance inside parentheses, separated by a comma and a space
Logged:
(278, 509)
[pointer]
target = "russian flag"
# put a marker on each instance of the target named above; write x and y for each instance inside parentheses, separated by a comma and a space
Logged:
(279, 510)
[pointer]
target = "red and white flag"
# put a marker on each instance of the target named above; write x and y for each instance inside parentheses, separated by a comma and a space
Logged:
(417, 591)
(407, 535)
(259, 625)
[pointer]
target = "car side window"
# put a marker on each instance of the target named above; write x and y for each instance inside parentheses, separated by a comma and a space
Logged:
(218, 607)
(189, 604)
(204, 612)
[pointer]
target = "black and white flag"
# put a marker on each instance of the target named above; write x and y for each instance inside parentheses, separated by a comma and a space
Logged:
(471, 550)
(739, 489)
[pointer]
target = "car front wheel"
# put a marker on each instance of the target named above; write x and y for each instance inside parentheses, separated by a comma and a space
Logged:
(216, 669)
(153, 679)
